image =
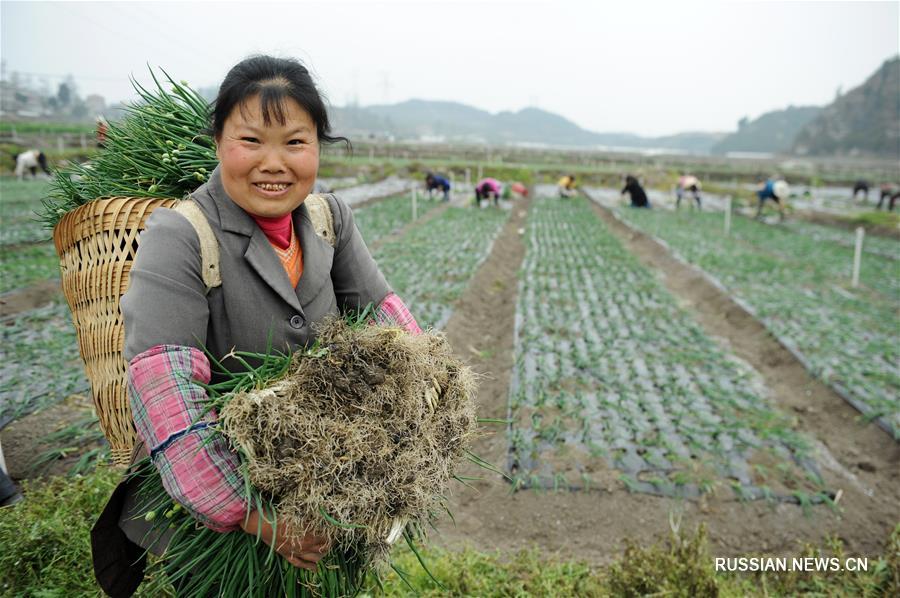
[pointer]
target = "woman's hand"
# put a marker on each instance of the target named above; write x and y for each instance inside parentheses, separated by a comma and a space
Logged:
(305, 552)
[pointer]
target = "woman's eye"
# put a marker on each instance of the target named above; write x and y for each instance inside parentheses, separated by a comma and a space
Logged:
(296, 142)
(250, 139)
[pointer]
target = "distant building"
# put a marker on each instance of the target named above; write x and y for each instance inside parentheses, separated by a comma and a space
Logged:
(17, 100)
(96, 104)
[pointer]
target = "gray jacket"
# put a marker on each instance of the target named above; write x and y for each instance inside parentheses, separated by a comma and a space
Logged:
(166, 301)
(166, 304)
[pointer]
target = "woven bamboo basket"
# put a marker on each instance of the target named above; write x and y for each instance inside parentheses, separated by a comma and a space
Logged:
(96, 244)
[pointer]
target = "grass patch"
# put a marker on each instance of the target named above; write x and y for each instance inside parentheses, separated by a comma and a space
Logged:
(46, 552)
(46, 127)
(46, 537)
(885, 219)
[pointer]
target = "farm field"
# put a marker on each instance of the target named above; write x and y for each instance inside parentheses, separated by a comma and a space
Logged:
(611, 374)
(40, 362)
(355, 194)
(540, 290)
(799, 285)
(620, 401)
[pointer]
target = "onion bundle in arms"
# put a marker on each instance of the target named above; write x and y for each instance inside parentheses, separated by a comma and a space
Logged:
(355, 440)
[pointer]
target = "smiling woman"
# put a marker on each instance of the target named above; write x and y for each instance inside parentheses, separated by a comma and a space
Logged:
(268, 123)
(268, 170)
(279, 279)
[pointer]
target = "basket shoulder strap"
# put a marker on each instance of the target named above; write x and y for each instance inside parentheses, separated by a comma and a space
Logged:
(321, 217)
(209, 246)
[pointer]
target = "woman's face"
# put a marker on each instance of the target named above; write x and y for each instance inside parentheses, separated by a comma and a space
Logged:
(268, 170)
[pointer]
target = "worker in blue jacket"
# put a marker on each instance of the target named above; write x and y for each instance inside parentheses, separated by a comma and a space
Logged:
(776, 190)
(434, 182)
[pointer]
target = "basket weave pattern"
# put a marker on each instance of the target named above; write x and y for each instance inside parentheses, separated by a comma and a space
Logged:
(96, 244)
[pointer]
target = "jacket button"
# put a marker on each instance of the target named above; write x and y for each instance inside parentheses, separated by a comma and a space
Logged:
(296, 322)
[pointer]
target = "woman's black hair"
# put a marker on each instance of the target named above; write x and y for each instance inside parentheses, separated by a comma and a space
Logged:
(273, 80)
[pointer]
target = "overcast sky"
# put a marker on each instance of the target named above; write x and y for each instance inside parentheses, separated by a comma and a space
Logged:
(650, 68)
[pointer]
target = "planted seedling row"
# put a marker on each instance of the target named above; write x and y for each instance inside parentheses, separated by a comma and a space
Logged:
(431, 265)
(800, 289)
(612, 381)
(386, 216)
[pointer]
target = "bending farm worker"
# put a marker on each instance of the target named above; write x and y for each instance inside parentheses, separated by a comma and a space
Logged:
(776, 190)
(279, 279)
(566, 186)
(890, 192)
(861, 186)
(29, 161)
(635, 192)
(684, 184)
(436, 182)
(487, 189)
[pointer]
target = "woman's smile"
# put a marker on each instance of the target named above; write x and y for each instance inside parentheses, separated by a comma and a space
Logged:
(272, 189)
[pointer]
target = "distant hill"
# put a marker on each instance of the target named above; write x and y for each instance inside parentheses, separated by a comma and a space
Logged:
(773, 132)
(453, 121)
(863, 121)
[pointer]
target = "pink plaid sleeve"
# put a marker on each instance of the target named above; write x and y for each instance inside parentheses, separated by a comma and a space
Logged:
(393, 311)
(197, 466)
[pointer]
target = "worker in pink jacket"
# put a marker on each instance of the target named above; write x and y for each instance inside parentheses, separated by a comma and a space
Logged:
(488, 188)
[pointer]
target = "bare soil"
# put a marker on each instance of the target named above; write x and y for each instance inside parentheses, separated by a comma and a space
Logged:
(23, 439)
(30, 297)
(859, 460)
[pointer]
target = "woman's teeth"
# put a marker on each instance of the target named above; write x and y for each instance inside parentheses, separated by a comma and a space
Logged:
(272, 186)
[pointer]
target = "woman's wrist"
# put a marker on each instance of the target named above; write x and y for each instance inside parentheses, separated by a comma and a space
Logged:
(250, 523)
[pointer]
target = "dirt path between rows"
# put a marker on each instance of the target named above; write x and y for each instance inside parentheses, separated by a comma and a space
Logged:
(30, 297)
(860, 461)
(24, 439)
